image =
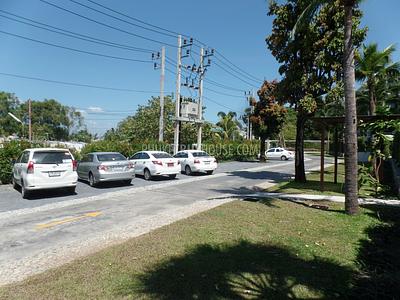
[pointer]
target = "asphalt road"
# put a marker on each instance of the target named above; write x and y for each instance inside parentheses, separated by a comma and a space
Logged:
(11, 199)
(47, 232)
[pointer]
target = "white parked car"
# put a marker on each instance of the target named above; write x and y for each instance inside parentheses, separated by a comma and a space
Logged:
(193, 161)
(279, 153)
(155, 163)
(45, 168)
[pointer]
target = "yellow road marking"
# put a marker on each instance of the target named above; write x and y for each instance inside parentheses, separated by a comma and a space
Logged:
(68, 220)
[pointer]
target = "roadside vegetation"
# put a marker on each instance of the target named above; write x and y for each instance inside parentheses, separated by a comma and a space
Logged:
(241, 250)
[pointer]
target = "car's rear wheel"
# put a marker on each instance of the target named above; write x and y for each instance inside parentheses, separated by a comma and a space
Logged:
(147, 174)
(188, 170)
(283, 157)
(172, 176)
(24, 192)
(209, 172)
(92, 181)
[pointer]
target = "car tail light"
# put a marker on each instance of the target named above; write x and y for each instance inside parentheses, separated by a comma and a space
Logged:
(196, 161)
(102, 168)
(74, 165)
(31, 167)
(215, 160)
(157, 162)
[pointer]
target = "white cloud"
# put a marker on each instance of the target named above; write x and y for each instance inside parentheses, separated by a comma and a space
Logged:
(95, 109)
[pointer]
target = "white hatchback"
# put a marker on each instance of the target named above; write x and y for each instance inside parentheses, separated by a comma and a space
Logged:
(45, 168)
(155, 163)
(279, 153)
(195, 161)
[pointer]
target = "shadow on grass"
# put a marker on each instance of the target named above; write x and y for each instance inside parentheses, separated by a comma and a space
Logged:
(379, 256)
(310, 185)
(241, 271)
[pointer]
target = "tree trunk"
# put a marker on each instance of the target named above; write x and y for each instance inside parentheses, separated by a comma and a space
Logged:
(262, 150)
(351, 167)
(300, 174)
(372, 100)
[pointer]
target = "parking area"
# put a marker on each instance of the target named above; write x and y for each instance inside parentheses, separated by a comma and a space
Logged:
(11, 199)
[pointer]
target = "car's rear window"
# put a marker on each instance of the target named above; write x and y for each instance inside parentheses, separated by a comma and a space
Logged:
(51, 157)
(110, 157)
(161, 155)
(200, 154)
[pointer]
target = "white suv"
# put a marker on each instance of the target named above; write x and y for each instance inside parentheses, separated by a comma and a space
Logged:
(45, 168)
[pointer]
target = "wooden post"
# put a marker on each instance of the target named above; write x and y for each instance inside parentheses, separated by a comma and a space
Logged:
(336, 150)
(322, 169)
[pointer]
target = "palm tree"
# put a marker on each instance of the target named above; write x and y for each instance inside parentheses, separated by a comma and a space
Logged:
(373, 67)
(228, 125)
(350, 123)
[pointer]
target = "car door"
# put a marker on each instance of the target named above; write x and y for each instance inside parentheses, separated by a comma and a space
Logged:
(17, 168)
(145, 162)
(271, 153)
(81, 167)
(180, 156)
(137, 162)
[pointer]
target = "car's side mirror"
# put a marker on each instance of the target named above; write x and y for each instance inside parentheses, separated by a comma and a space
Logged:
(13, 161)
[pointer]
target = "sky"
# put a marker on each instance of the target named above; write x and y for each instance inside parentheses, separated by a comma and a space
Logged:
(236, 29)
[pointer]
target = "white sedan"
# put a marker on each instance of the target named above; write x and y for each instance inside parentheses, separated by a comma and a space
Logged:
(196, 161)
(279, 153)
(155, 163)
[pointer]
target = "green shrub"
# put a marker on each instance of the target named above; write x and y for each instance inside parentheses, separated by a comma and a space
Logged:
(9, 152)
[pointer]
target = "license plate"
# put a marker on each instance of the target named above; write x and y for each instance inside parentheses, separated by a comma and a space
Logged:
(54, 174)
(170, 164)
(206, 162)
(117, 169)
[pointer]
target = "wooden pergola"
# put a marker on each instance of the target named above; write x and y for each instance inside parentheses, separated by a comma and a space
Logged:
(326, 122)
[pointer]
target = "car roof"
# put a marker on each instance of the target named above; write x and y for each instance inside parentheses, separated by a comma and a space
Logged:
(47, 149)
(151, 152)
(191, 151)
(104, 153)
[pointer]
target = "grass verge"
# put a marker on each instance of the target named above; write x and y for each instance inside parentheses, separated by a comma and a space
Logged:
(312, 186)
(241, 250)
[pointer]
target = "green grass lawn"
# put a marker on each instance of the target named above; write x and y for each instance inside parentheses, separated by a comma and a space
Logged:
(242, 250)
(312, 186)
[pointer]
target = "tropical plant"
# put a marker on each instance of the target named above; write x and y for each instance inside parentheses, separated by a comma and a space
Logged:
(228, 126)
(374, 67)
(269, 116)
(351, 178)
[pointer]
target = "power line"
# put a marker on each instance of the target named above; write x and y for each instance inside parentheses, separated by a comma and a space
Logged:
(106, 25)
(224, 94)
(234, 70)
(78, 84)
(119, 19)
(222, 105)
(74, 49)
(223, 86)
(234, 75)
(219, 53)
(74, 34)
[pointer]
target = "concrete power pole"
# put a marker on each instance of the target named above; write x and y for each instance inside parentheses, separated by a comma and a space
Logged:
(30, 119)
(178, 95)
(162, 79)
(200, 107)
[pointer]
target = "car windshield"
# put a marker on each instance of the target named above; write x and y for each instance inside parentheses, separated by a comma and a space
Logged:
(200, 154)
(51, 157)
(161, 155)
(110, 157)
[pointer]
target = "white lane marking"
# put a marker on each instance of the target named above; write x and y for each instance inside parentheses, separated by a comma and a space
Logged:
(126, 192)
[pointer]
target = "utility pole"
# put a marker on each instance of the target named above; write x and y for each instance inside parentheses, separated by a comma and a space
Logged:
(162, 79)
(200, 107)
(178, 95)
(30, 119)
(249, 126)
(252, 111)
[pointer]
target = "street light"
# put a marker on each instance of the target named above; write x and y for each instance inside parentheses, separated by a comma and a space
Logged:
(19, 121)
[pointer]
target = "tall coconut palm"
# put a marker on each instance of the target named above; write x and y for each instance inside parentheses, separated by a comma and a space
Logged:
(374, 67)
(228, 125)
(351, 168)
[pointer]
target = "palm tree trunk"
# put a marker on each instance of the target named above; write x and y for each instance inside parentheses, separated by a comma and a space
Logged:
(372, 100)
(351, 167)
(300, 173)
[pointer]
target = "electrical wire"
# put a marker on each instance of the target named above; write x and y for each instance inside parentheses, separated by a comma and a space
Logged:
(77, 84)
(74, 49)
(234, 75)
(119, 19)
(74, 34)
(224, 94)
(107, 25)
